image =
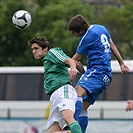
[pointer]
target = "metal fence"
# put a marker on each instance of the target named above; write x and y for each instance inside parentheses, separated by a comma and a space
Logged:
(101, 114)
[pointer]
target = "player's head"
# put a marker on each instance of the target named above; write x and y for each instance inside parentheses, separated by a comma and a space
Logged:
(39, 46)
(77, 25)
(41, 41)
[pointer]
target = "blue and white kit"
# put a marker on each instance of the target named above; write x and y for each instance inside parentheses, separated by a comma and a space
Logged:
(95, 43)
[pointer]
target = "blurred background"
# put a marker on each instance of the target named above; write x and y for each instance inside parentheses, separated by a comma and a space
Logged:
(23, 103)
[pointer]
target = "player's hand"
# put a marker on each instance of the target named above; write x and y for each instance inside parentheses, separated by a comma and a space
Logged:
(124, 68)
(80, 67)
(129, 105)
(72, 73)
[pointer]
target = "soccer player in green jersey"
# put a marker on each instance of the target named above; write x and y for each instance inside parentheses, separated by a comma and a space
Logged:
(57, 83)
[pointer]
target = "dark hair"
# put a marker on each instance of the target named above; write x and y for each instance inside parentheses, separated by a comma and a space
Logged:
(41, 41)
(77, 23)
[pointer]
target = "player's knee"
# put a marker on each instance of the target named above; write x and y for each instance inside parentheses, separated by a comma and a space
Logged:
(80, 91)
(68, 116)
(86, 105)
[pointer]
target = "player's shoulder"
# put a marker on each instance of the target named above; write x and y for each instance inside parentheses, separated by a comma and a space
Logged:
(97, 26)
(90, 33)
(55, 49)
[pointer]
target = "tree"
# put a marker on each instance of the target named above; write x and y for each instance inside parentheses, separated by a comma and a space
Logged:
(118, 20)
(50, 18)
(12, 40)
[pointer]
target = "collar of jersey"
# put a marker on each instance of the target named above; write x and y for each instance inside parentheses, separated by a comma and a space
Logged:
(86, 31)
(83, 36)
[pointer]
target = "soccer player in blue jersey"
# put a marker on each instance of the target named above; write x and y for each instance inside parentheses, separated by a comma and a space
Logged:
(96, 43)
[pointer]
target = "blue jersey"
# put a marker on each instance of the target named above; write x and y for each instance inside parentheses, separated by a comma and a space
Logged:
(95, 43)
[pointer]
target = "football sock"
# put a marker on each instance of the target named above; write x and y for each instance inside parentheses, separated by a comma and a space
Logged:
(83, 120)
(79, 105)
(75, 127)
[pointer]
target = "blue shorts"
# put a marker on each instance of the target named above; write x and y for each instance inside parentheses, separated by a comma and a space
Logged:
(94, 82)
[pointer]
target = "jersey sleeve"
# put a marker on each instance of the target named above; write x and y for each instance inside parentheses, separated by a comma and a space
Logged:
(81, 49)
(84, 44)
(57, 56)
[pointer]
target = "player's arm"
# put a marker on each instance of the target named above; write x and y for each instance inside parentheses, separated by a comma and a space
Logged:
(73, 70)
(79, 66)
(123, 66)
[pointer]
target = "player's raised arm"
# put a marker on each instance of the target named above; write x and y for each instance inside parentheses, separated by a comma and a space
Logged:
(73, 70)
(79, 66)
(123, 66)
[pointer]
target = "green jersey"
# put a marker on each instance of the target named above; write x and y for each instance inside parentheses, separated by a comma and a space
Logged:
(55, 70)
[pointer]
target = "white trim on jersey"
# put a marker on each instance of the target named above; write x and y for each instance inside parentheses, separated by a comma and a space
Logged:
(58, 55)
(85, 34)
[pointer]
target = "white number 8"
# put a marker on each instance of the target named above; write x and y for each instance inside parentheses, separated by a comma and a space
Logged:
(105, 42)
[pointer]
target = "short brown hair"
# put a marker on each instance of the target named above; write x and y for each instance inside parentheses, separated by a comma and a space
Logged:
(77, 23)
(41, 41)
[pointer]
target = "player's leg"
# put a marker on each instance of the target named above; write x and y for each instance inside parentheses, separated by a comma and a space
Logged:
(53, 123)
(79, 104)
(89, 82)
(69, 109)
(88, 100)
(71, 122)
(54, 116)
(54, 127)
(83, 118)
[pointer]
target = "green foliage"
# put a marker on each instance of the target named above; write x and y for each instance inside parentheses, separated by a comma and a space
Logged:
(50, 18)
(119, 22)
(12, 40)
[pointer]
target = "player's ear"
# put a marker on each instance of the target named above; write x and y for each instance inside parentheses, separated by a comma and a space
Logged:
(45, 49)
(81, 32)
